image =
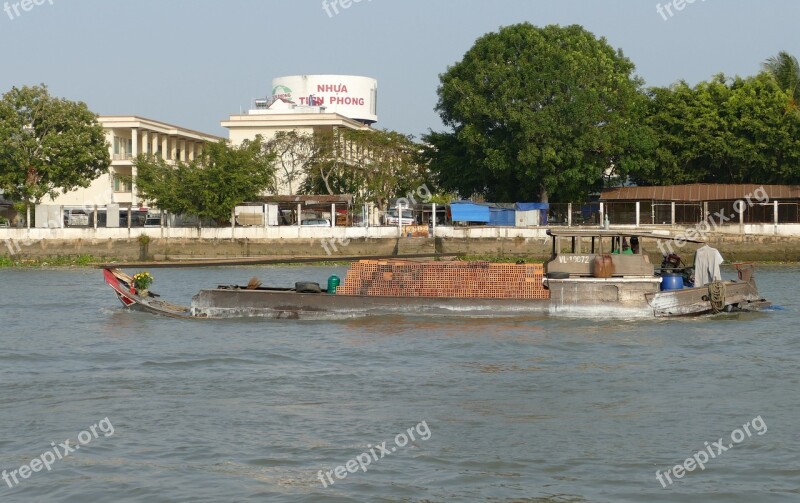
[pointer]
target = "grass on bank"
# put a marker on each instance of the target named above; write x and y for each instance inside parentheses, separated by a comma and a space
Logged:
(54, 261)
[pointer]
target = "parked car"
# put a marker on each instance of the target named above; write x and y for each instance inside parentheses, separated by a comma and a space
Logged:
(316, 222)
(152, 221)
(138, 218)
(390, 218)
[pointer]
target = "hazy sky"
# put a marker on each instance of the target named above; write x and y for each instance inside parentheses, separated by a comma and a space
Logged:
(195, 62)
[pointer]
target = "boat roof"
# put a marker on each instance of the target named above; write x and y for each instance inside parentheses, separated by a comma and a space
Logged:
(570, 232)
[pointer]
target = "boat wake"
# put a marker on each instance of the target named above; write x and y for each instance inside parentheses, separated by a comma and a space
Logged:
(604, 311)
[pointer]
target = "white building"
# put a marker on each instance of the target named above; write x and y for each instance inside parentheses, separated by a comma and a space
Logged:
(307, 104)
(127, 137)
(304, 103)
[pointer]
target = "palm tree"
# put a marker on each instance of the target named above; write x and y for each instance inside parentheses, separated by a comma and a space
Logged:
(786, 72)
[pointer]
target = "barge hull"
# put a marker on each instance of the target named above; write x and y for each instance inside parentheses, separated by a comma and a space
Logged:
(227, 303)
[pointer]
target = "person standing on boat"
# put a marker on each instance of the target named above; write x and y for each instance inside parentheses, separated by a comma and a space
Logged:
(625, 249)
(706, 265)
(635, 245)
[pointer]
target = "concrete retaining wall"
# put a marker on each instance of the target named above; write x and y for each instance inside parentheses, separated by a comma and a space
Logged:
(343, 233)
(344, 241)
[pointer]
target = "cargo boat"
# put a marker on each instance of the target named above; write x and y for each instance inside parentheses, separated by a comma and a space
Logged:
(592, 272)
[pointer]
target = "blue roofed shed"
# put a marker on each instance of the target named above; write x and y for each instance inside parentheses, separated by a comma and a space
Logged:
(497, 215)
(467, 211)
(531, 214)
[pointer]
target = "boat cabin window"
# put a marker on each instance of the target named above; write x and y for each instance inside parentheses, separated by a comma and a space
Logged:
(565, 244)
(627, 245)
(595, 245)
(580, 245)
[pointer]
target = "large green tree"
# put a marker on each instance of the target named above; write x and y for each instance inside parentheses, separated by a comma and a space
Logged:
(212, 184)
(48, 145)
(538, 113)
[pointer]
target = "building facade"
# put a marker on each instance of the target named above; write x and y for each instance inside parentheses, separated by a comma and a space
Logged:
(307, 104)
(127, 137)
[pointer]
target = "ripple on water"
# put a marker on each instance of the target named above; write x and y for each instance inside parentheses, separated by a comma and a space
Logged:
(521, 408)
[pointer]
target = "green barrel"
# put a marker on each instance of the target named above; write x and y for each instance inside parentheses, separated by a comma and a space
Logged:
(333, 282)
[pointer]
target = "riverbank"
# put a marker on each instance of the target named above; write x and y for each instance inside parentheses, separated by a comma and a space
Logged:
(81, 252)
(52, 261)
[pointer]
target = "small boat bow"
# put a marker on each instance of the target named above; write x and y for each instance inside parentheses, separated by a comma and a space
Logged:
(122, 284)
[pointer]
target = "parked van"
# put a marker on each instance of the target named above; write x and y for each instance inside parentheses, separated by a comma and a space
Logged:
(316, 222)
(76, 218)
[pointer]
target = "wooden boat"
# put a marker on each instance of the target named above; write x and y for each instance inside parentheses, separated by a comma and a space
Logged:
(588, 274)
(631, 279)
(122, 284)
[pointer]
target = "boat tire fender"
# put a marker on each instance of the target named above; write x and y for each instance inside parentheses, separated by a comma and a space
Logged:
(307, 287)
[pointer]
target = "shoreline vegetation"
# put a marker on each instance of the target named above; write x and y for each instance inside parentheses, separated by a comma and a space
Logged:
(7, 262)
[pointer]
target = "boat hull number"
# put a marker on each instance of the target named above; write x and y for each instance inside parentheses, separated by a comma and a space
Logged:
(574, 259)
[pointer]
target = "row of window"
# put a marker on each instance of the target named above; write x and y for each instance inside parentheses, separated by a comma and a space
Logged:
(123, 148)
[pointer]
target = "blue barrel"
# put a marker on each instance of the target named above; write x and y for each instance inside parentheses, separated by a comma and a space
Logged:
(671, 281)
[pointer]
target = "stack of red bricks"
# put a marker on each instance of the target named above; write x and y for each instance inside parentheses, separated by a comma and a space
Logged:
(396, 278)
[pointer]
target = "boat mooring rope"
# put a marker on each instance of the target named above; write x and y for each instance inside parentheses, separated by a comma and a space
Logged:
(716, 295)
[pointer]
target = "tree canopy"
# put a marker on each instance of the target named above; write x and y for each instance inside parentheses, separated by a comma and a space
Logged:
(785, 69)
(537, 112)
(553, 112)
(727, 130)
(211, 185)
(374, 165)
(49, 145)
(293, 151)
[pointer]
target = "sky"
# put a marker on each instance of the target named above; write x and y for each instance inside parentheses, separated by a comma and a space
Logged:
(193, 63)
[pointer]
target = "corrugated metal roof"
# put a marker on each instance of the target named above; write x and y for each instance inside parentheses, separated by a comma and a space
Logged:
(309, 199)
(508, 206)
(702, 192)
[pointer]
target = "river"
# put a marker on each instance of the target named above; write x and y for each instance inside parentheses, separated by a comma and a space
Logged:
(533, 409)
